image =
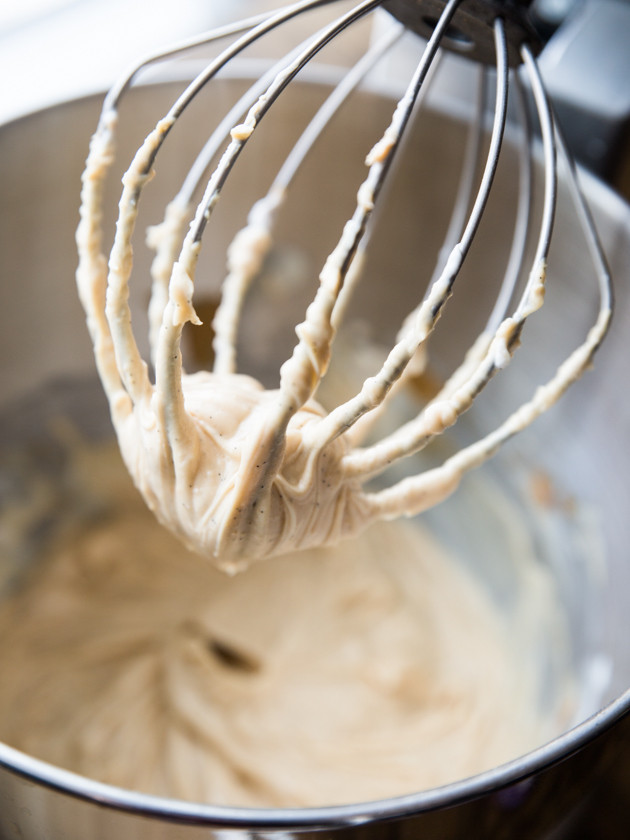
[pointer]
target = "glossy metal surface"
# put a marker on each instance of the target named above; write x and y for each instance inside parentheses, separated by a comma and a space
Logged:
(582, 446)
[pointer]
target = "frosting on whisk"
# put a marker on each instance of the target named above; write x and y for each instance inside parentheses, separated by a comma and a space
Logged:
(239, 472)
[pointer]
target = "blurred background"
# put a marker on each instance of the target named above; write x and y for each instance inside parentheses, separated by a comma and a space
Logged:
(51, 50)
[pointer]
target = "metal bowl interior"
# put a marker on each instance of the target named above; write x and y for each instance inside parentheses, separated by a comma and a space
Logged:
(580, 447)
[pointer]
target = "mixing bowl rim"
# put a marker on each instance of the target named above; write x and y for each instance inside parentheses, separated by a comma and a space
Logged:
(598, 192)
(455, 793)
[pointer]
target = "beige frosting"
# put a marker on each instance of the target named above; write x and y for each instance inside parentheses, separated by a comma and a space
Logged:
(327, 675)
(238, 472)
(337, 675)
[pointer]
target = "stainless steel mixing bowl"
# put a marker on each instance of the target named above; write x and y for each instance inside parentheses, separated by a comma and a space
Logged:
(581, 447)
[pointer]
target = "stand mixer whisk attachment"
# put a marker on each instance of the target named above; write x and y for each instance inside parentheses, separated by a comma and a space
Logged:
(240, 472)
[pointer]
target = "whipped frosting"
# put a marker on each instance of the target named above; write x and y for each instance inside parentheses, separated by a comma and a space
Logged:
(375, 668)
(239, 472)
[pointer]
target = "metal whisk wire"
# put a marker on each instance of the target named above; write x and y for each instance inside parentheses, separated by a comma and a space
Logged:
(296, 502)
